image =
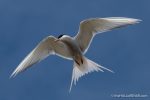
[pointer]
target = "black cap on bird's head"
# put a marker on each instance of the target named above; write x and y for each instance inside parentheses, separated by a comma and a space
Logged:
(60, 36)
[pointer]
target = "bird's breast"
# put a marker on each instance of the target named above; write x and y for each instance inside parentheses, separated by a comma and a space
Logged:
(73, 49)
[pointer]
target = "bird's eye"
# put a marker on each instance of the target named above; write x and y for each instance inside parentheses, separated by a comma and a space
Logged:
(60, 36)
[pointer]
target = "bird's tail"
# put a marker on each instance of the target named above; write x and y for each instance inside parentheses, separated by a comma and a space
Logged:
(85, 68)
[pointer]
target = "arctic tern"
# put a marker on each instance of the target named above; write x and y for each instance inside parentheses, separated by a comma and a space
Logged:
(74, 48)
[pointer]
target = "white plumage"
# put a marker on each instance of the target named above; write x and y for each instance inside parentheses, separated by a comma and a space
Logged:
(74, 48)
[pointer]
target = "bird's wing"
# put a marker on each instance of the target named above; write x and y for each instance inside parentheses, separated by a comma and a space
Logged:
(46, 47)
(88, 28)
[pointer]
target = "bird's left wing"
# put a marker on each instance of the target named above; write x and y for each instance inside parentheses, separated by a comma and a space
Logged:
(41, 51)
(88, 28)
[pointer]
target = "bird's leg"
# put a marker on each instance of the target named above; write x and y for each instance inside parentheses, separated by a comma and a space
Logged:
(81, 60)
(77, 62)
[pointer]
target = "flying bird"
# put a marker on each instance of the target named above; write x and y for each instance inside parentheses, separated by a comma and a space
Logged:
(74, 48)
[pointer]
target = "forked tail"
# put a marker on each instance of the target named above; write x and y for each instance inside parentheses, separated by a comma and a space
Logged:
(85, 68)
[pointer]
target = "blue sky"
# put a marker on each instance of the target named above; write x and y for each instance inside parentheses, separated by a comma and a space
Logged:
(24, 23)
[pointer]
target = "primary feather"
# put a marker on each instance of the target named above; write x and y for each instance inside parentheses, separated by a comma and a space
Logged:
(90, 27)
(42, 50)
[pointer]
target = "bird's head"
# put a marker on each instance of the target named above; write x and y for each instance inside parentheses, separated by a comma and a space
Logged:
(61, 36)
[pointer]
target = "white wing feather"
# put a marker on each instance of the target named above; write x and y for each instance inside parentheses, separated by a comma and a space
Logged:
(42, 50)
(88, 28)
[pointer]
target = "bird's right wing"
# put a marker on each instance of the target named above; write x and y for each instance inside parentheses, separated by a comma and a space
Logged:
(45, 48)
(90, 27)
